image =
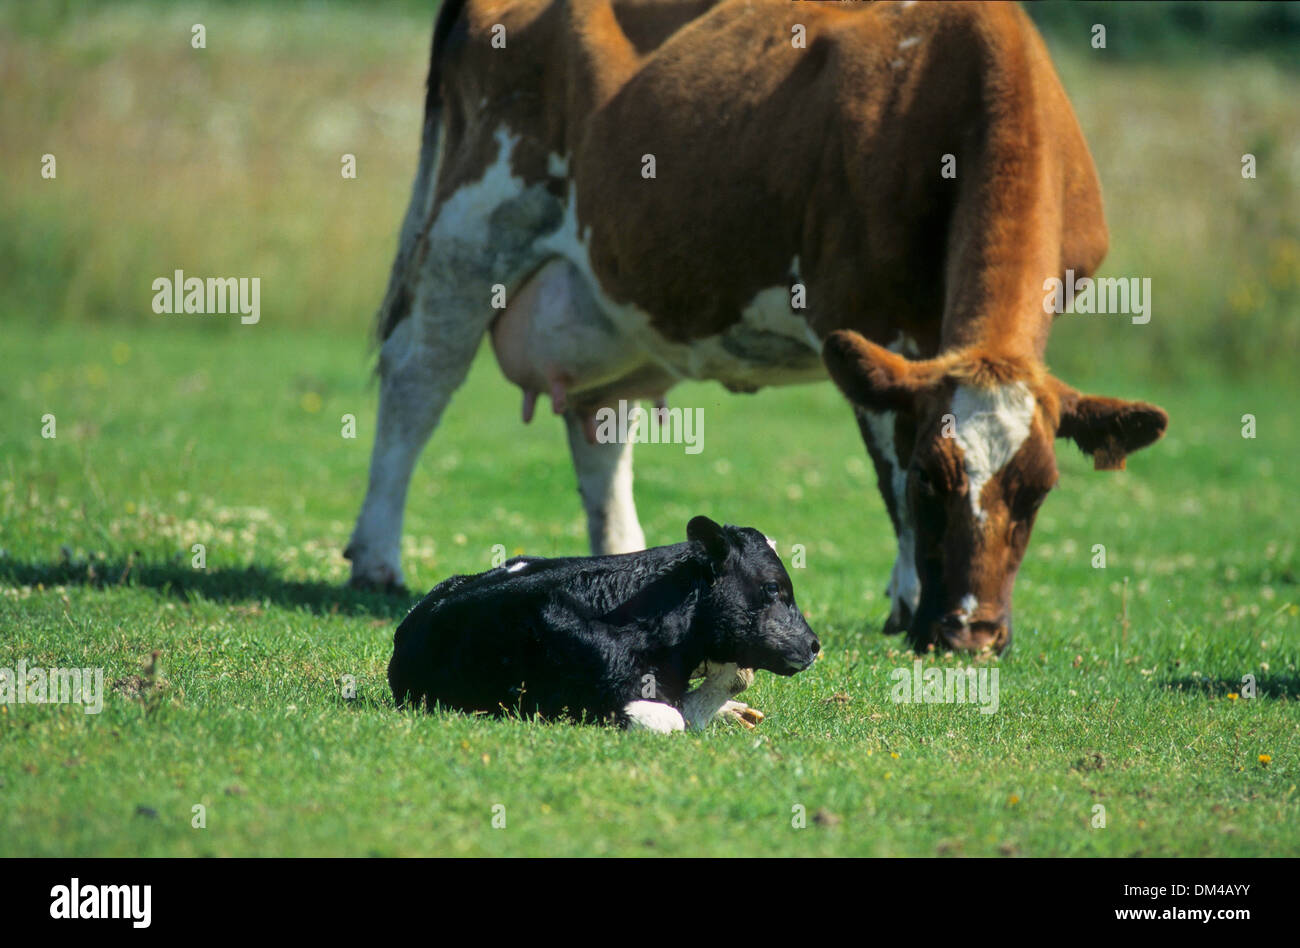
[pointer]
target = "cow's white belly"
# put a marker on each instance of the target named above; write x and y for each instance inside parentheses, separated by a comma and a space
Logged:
(769, 345)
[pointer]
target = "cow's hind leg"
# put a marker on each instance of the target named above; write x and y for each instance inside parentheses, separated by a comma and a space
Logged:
(421, 365)
(441, 294)
(605, 484)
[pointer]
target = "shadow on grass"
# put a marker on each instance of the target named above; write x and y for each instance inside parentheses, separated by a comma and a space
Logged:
(1279, 687)
(243, 584)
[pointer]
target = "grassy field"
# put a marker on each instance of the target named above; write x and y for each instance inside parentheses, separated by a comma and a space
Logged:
(1124, 687)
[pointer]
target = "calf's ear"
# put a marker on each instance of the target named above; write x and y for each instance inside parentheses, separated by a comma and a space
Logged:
(1108, 429)
(711, 535)
(873, 377)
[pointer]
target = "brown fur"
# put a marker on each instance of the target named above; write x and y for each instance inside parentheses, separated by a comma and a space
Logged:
(831, 153)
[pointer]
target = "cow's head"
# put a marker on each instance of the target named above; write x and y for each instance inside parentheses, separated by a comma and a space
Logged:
(974, 436)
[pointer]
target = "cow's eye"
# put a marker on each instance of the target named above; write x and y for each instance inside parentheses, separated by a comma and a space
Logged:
(772, 589)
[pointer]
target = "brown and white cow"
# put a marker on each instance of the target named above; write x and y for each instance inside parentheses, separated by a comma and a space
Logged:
(790, 143)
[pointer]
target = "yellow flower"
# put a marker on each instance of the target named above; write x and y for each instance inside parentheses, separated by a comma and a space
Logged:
(1233, 696)
(1265, 758)
(894, 754)
(1012, 800)
(311, 402)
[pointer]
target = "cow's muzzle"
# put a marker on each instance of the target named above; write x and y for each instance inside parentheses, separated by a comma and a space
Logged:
(973, 635)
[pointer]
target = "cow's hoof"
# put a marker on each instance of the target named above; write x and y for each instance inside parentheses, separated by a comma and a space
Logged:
(385, 589)
(383, 580)
(894, 626)
(742, 713)
(373, 575)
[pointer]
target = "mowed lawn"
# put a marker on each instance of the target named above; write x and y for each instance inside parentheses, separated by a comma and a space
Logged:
(176, 433)
(1125, 687)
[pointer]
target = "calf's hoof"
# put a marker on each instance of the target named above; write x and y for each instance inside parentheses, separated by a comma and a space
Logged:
(738, 711)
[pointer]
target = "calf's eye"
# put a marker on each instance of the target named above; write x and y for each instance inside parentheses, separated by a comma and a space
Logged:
(773, 589)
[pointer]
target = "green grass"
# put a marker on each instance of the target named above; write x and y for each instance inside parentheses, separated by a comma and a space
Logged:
(173, 431)
(231, 438)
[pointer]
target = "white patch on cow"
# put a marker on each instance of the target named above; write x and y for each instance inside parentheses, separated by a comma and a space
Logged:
(653, 716)
(464, 215)
(516, 567)
(557, 166)
(968, 605)
(991, 425)
(904, 583)
(909, 42)
(708, 358)
(770, 311)
(771, 543)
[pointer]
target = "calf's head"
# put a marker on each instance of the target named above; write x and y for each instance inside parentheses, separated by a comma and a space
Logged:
(974, 433)
(748, 613)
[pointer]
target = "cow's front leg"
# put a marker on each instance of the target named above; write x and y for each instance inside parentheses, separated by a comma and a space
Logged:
(712, 699)
(605, 484)
(881, 435)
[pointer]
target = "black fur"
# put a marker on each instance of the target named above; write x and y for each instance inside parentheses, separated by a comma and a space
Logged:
(575, 637)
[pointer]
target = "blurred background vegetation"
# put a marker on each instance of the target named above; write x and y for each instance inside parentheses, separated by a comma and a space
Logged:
(226, 160)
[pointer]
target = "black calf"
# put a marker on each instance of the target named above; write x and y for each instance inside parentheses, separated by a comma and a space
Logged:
(603, 637)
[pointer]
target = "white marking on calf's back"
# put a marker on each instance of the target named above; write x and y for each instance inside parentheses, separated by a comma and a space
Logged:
(991, 425)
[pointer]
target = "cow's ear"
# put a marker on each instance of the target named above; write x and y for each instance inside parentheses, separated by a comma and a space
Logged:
(712, 535)
(870, 375)
(1108, 429)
